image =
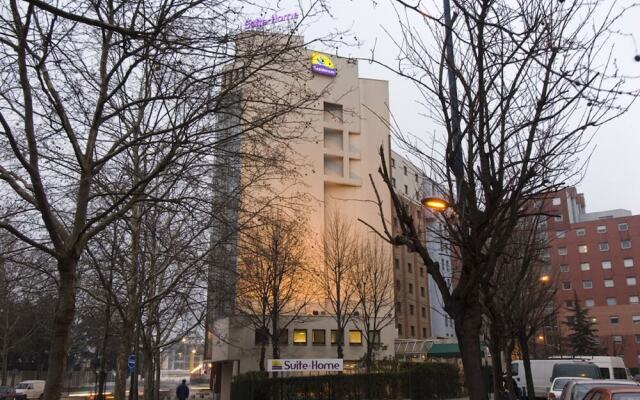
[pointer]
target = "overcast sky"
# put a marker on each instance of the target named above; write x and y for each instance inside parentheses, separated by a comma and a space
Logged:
(612, 179)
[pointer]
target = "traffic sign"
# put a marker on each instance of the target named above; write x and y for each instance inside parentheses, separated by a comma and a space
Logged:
(131, 363)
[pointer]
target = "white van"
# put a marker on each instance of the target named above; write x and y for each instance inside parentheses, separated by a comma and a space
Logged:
(32, 389)
(541, 372)
(610, 367)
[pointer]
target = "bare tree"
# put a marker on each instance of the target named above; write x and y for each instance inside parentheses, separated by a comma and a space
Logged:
(341, 258)
(373, 279)
(516, 87)
(271, 293)
(87, 84)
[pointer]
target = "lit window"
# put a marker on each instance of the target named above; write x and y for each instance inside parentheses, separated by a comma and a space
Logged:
(628, 262)
(334, 334)
(562, 251)
(556, 201)
(566, 285)
(636, 319)
(299, 336)
(564, 268)
(604, 246)
(582, 249)
(319, 336)
(634, 300)
(611, 301)
(587, 285)
(561, 234)
(585, 267)
(580, 232)
(614, 320)
(606, 264)
(631, 281)
(617, 338)
(625, 244)
(589, 303)
(355, 337)
(608, 283)
(623, 227)
(601, 229)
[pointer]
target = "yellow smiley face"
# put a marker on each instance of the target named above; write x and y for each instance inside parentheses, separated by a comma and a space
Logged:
(321, 59)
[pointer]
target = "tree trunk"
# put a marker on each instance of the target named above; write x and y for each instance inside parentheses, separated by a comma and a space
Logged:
(156, 392)
(149, 374)
(526, 361)
(62, 321)
(507, 361)
(263, 355)
(468, 322)
(124, 348)
(5, 361)
(340, 342)
(496, 364)
(102, 373)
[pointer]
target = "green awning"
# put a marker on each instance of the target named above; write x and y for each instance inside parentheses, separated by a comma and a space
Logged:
(445, 350)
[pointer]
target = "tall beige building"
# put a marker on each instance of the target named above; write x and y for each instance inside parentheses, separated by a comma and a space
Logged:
(339, 149)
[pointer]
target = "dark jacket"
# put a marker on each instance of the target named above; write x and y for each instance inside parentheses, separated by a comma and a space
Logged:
(182, 391)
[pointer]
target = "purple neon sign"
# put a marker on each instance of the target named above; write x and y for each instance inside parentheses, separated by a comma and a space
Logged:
(275, 19)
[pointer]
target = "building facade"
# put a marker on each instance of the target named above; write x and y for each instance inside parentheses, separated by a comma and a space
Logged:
(339, 149)
(596, 256)
(419, 310)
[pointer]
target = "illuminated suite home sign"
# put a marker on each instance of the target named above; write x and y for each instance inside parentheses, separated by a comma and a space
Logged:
(321, 64)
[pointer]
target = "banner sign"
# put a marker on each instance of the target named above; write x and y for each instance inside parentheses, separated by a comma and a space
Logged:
(302, 365)
(321, 64)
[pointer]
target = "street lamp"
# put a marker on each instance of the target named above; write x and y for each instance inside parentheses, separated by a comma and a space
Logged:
(545, 279)
(435, 203)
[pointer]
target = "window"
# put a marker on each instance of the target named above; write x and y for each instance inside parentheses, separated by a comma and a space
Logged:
(393, 163)
(422, 291)
(424, 332)
(604, 246)
(413, 330)
(631, 281)
(409, 267)
(569, 304)
(564, 268)
(300, 336)
(587, 285)
(611, 301)
(558, 218)
(585, 267)
(608, 283)
(561, 234)
(398, 285)
(556, 201)
(617, 338)
(406, 189)
(635, 319)
(421, 271)
(628, 262)
(566, 285)
(562, 251)
(424, 312)
(355, 337)
(332, 112)
(375, 337)
(261, 336)
(319, 336)
(405, 169)
(334, 334)
(393, 182)
(410, 309)
(410, 288)
(625, 244)
(623, 227)
(606, 264)
(634, 300)
(637, 338)
(614, 320)
(583, 249)
(580, 232)
(396, 263)
(416, 177)
(400, 329)
(601, 229)
(589, 303)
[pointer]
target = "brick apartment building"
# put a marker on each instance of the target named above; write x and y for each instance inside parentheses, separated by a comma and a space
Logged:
(597, 256)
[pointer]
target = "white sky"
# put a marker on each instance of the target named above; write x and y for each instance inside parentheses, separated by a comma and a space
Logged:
(612, 179)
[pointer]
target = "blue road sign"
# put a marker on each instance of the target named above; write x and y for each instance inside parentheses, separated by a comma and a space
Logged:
(131, 363)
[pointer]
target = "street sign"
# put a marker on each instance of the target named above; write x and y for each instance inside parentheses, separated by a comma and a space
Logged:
(305, 364)
(131, 363)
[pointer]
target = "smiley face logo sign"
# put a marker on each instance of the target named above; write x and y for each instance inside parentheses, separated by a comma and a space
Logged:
(321, 64)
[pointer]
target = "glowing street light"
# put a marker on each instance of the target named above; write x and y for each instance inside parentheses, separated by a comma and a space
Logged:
(545, 279)
(435, 203)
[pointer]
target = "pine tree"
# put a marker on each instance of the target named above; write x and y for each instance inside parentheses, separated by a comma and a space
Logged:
(582, 341)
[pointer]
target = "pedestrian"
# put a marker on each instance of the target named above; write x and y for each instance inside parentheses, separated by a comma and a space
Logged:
(182, 391)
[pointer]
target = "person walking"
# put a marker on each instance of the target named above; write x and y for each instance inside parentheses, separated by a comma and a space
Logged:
(182, 391)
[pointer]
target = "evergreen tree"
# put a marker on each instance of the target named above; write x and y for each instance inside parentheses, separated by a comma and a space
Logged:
(582, 341)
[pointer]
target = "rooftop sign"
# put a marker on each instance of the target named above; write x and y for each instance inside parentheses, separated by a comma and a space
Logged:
(275, 19)
(303, 365)
(321, 64)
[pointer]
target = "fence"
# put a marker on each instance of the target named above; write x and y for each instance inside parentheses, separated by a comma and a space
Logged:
(72, 379)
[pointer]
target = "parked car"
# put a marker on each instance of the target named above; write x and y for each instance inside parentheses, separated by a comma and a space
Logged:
(541, 371)
(30, 389)
(613, 393)
(610, 367)
(576, 390)
(558, 384)
(7, 393)
(581, 369)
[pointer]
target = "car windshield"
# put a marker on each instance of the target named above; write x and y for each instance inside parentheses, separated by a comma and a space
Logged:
(559, 384)
(626, 396)
(581, 389)
(22, 386)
